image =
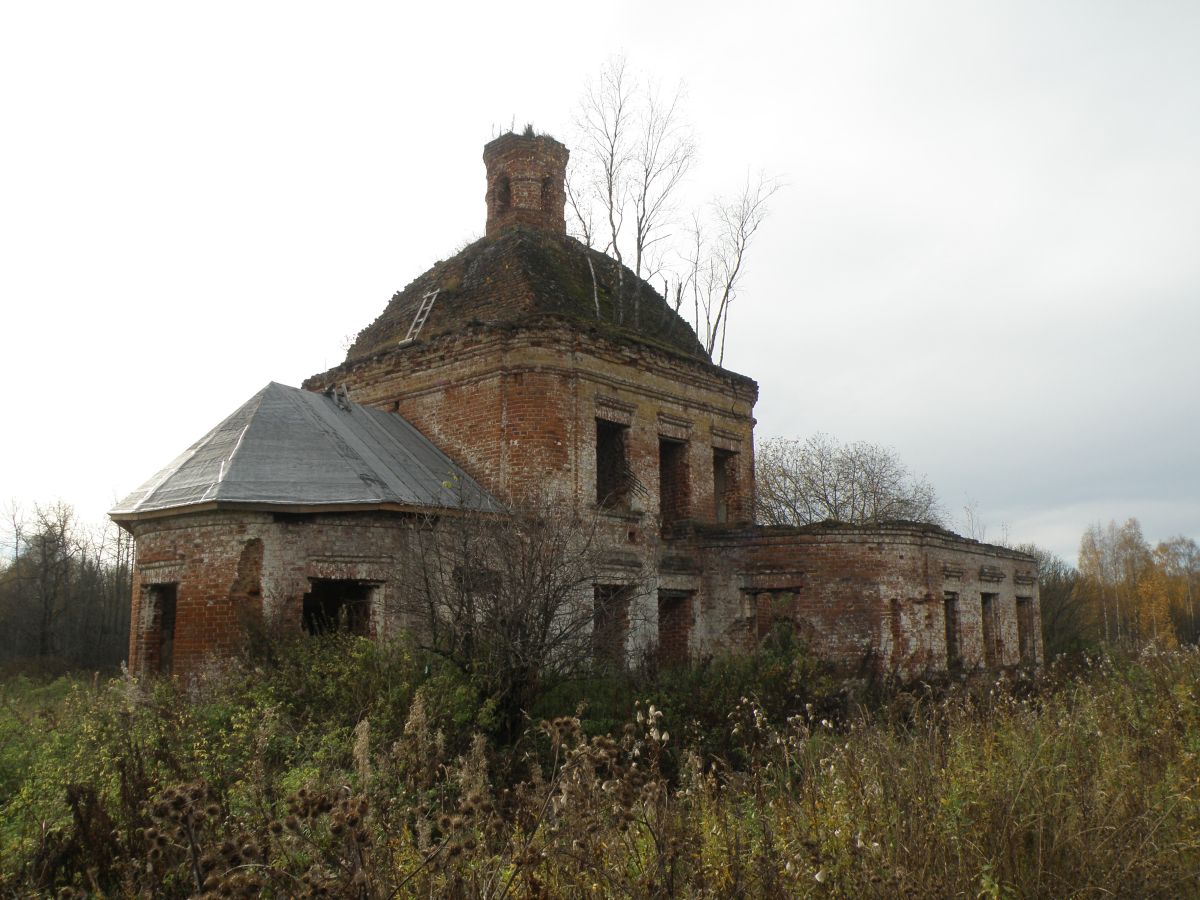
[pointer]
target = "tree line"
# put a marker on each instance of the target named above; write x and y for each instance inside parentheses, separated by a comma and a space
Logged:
(1134, 593)
(64, 590)
(1125, 591)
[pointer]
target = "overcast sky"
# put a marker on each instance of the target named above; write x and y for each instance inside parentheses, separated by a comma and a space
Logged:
(987, 255)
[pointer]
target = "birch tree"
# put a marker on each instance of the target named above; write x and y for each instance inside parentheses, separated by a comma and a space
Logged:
(1177, 578)
(634, 151)
(1115, 565)
(714, 262)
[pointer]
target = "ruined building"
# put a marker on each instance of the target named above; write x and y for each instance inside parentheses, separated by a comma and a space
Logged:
(502, 373)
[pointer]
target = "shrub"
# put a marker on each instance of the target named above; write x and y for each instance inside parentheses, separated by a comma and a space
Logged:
(726, 780)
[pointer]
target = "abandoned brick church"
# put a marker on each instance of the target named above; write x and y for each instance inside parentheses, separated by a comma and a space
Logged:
(500, 373)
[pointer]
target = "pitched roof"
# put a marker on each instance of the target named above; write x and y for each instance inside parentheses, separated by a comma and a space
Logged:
(522, 275)
(285, 447)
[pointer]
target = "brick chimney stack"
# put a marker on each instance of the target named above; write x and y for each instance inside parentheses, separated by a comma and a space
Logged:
(526, 183)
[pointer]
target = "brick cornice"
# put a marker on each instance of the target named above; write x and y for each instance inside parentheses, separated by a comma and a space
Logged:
(413, 359)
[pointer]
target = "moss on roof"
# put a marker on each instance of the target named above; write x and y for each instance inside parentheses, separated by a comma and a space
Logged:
(524, 275)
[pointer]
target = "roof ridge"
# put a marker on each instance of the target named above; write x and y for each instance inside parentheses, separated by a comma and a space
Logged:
(172, 468)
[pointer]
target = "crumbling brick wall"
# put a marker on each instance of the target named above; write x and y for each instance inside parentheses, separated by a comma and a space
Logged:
(867, 597)
(234, 570)
(517, 409)
(525, 183)
(675, 612)
(531, 341)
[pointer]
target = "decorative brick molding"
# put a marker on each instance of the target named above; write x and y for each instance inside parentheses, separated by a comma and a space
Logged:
(161, 572)
(621, 559)
(674, 428)
(613, 410)
(726, 440)
(992, 574)
(358, 568)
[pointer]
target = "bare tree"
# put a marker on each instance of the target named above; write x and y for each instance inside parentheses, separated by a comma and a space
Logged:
(664, 154)
(634, 151)
(44, 556)
(600, 167)
(509, 600)
(64, 590)
(800, 482)
(973, 525)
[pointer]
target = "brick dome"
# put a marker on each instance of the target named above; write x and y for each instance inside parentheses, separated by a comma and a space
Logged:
(521, 276)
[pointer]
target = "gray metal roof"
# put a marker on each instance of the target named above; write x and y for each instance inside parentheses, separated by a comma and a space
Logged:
(292, 448)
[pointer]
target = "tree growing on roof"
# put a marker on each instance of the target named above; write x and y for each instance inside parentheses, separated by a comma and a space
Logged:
(633, 153)
(715, 258)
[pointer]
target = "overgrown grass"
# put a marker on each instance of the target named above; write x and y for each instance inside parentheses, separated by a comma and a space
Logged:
(347, 768)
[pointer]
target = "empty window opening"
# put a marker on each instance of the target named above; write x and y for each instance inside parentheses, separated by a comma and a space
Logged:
(953, 647)
(610, 624)
(989, 603)
(774, 611)
(337, 605)
(160, 642)
(548, 193)
(613, 478)
(673, 488)
(1026, 630)
(674, 626)
(503, 194)
(724, 482)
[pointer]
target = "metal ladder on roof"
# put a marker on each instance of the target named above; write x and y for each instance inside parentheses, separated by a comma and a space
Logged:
(422, 314)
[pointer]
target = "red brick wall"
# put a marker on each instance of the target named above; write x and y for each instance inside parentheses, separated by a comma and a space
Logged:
(517, 410)
(865, 598)
(675, 486)
(862, 597)
(610, 628)
(674, 627)
(232, 568)
(525, 183)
